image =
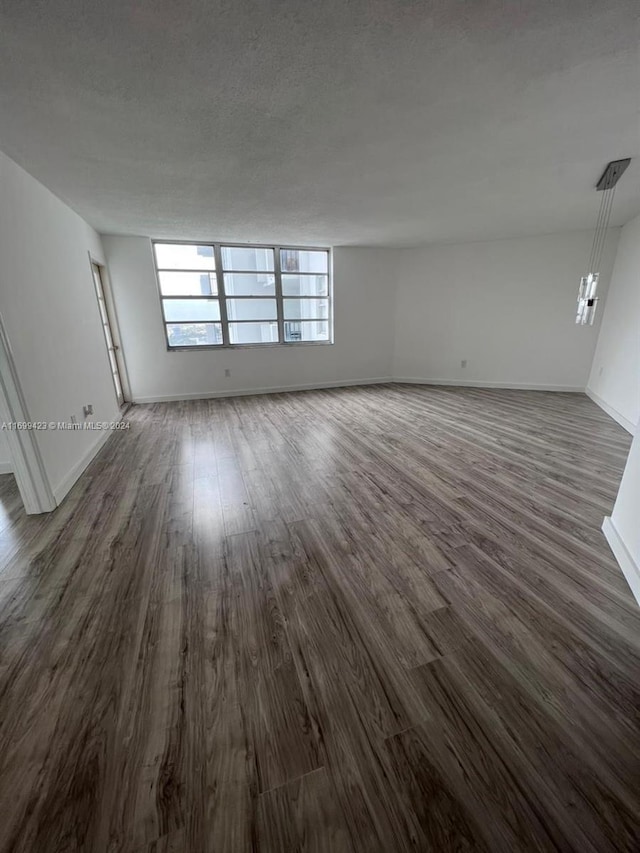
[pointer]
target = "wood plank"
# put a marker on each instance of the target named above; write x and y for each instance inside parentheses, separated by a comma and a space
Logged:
(283, 738)
(436, 815)
(552, 764)
(304, 815)
(369, 619)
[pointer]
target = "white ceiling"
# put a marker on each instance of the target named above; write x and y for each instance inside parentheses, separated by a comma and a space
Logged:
(368, 122)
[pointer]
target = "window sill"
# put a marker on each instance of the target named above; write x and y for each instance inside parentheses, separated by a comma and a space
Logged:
(210, 347)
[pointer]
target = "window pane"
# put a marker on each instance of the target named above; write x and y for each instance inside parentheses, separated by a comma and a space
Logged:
(194, 334)
(259, 284)
(251, 309)
(247, 259)
(191, 309)
(177, 256)
(253, 333)
(187, 283)
(309, 331)
(305, 285)
(294, 260)
(302, 309)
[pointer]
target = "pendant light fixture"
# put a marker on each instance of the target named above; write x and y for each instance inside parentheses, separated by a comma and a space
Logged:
(587, 299)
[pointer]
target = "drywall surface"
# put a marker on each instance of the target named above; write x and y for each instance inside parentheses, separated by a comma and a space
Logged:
(364, 310)
(626, 512)
(505, 307)
(615, 375)
(49, 310)
(623, 528)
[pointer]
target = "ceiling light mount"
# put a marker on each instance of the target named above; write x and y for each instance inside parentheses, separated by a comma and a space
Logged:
(612, 174)
(587, 299)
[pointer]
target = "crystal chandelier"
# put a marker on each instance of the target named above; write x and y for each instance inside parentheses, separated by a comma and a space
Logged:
(587, 299)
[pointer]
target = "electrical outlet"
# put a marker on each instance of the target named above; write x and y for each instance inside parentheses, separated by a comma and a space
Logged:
(87, 410)
(463, 363)
(227, 372)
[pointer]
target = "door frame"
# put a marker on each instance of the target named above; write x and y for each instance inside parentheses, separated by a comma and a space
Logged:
(113, 325)
(28, 466)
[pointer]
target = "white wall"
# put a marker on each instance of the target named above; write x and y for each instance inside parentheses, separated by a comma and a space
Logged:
(626, 512)
(50, 314)
(623, 528)
(615, 375)
(364, 309)
(614, 383)
(507, 307)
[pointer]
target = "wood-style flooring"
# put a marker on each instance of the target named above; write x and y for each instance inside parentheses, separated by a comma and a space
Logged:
(369, 619)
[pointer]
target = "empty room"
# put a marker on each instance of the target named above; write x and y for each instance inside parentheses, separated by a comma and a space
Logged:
(319, 397)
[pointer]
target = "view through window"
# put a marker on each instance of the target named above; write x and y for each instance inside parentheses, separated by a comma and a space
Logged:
(224, 295)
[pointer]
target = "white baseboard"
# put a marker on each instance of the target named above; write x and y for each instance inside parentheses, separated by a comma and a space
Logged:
(630, 568)
(69, 480)
(613, 413)
(249, 392)
(473, 383)
(246, 392)
(6, 468)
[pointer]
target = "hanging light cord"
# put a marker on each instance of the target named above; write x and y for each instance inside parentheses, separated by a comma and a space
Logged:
(605, 228)
(587, 299)
(596, 233)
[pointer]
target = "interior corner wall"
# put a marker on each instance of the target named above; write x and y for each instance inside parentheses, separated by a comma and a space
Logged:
(50, 314)
(614, 382)
(364, 309)
(506, 307)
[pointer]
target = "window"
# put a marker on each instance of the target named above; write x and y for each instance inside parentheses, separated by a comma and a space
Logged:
(216, 295)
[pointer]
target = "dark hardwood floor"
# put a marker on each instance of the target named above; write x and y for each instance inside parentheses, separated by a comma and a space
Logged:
(368, 619)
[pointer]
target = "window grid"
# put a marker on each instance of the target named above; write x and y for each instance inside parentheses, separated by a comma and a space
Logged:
(222, 298)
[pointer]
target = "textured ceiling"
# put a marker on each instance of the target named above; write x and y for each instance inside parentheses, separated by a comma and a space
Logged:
(329, 122)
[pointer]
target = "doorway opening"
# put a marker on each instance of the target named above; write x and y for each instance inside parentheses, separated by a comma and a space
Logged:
(20, 446)
(11, 506)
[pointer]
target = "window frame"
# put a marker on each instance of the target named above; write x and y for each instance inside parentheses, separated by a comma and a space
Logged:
(222, 297)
